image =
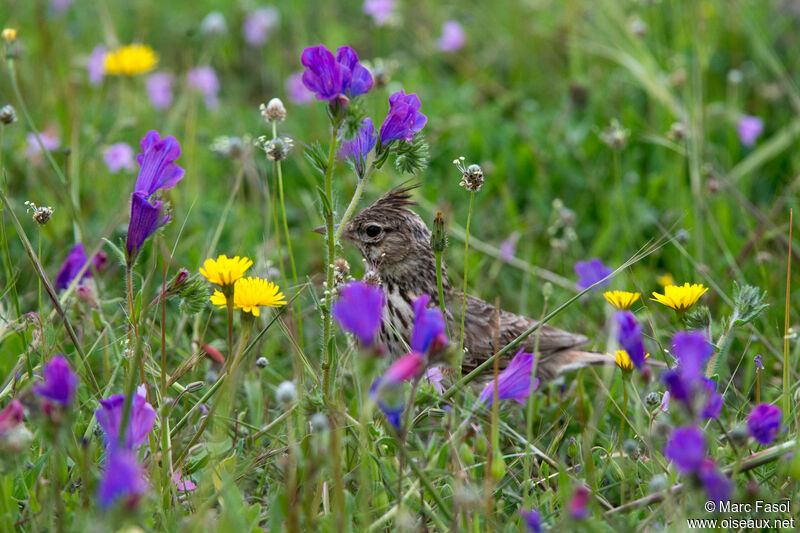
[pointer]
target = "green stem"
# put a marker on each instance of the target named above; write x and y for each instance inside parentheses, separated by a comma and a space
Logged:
(351, 207)
(787, 398)
(331, 242)
(439, 287)
(466, 265)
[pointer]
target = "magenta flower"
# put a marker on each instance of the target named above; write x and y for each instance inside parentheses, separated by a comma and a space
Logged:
(331, 78)
(452, 38)
(764, 423)
(579, 503)
(96, 65)
(749, 128)
(590, 272)
(204, 79)
(434, 376)
(686, 447)
(118, 156)
(159, 89)
(296, 90)
(60, 382)
(429, 328)
(258, 24)
(404, 369)
(11, 416)
(514, 382)
(718, 486)
(381, 11)
(359, 147)
(123, 479)
(403, 120)
(74, 263)
(629, 336)
(50, 141)
(142, 418)
(359, 310)
(184, 484)
(157, 163)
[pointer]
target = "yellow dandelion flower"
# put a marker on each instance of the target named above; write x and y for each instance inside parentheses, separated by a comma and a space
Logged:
(666, 279)
(623, 360)
(131, 60)
(9, 35)
(622, 300)
(224, 271)
(680, 298)
(250, 293)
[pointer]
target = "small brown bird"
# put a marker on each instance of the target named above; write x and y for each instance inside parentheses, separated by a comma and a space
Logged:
(395, 242)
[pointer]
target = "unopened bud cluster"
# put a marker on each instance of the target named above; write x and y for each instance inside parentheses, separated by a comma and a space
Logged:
(277, 149)
(439, 234)
(273, 111)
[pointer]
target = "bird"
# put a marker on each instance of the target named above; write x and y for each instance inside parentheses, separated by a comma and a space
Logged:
(395, 243)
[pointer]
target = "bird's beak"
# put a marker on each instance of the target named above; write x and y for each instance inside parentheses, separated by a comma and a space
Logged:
(323, 231)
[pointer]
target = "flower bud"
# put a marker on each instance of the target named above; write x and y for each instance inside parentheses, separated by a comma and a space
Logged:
(319, 423)
(498, 466)
(262, 362)
(7, 115)
(652, 399)
(471, 176)
(274, 111)
(439, 234)
(9, 35)
(41, 215)
(286, 393)
(659, 483)
(214, 24)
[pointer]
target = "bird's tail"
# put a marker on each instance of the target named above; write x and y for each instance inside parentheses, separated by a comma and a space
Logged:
(570, 360)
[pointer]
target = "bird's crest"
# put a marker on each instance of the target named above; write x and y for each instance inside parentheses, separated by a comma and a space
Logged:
(398, 198)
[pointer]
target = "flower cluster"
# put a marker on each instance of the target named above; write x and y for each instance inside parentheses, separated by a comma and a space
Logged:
(686, 448)
(334, 78)
(130, 60)
(248, 294)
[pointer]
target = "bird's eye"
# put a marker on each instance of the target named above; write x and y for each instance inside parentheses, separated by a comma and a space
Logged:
(373, 231)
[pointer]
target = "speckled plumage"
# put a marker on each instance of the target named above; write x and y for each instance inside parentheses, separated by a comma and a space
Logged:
(395, 242)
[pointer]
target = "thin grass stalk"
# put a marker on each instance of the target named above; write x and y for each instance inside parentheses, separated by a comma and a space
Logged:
(787, 393)
(466, 266)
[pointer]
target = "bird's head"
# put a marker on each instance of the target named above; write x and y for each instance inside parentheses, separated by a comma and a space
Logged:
(388, 233)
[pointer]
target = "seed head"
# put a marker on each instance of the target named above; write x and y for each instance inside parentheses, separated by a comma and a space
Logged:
(319, 422)
(439, 234)
(277, 149)
(615, 135)
(214, 24)
(286, 393)
(274, 111)
(471, 176)
(262, 362)
(41, 215)
(371, 277)
(8, 115)
(677, 132)
(233, 147)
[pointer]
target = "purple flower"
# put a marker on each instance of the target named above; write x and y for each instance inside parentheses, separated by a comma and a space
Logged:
(713, 404)
(11, 416)
(146, 218)
(718, 486)
(330, 78)
(96, 65)
(665, 402)
(509, 247)
(579, 503)
(359, 147)
(159, 90)
(452, 38)
(434, 376)
(514, 382)
(428, 326)
(184, 484)
(359, 310)
(381, 11)
(686, 447)
(590, 272)
(296, 90)
(140, 423)
(60, 6)
(123, 479)
(403, 120)
(757, 361)
(692, 351)
(49, 140)
(60, 382)
(74, 263)
(749, 128)
(764, 423)
(157, 163)
(118, 156)
(389, 401)
(532, 519)
(629, 336)
(258, 24)
(204, 79)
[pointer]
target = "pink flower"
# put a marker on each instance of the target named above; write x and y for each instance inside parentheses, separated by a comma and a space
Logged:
(159, 89)
(749, 128)
(118, 156)
(258, 24)
(184, 484)
(407, 367)
(96, 65)
(204, 79)
(381, 11)
(49, 140)
(296, 89)
(452, 38)
(435, 377)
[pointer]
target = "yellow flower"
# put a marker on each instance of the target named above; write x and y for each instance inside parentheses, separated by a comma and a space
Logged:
(250, 293)
(624, 360)
(622, 300)
(666, 279)
(224, 271)
(9, 35)
(680, 298)
(131, 60)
